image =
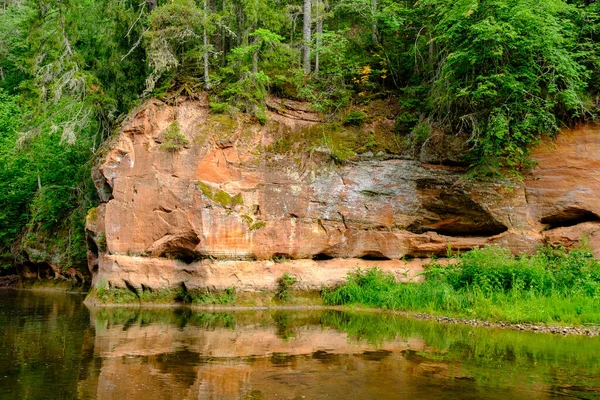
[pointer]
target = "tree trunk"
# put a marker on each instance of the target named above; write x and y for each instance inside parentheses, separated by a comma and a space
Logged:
(306, 36)
(223, 42)
(320, 16)
(374, 26)
(255, 56)
(205, 42)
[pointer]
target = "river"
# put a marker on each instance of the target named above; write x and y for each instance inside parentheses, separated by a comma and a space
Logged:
(54, 347)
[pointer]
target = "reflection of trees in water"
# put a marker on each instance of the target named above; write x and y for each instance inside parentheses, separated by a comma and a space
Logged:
(180, 317)
(501, 357)
(41, 343)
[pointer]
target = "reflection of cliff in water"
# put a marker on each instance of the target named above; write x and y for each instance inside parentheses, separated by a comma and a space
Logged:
(262, 355)
(50, 348)
(258, 355)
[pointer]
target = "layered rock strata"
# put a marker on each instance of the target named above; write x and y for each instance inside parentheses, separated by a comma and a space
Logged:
(226, 210)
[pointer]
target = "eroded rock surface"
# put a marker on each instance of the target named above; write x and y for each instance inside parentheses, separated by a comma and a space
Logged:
(216, 212)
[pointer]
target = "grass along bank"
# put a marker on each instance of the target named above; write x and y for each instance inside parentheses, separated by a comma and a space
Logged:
(284, 296)
(553, 286)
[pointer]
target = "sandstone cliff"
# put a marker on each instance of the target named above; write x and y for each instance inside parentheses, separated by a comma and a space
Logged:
(226, 209)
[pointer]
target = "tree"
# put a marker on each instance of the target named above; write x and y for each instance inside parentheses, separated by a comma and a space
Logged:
(306, 35)
(320, 16)
(205, 43)
(508, 74)
(176, 40)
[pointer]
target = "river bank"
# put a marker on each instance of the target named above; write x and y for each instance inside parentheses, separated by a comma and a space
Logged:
(300, 301)
(42, 285)
(312, 303)
(531, 327)
(552, 286)
(9, 281)
(553, 291)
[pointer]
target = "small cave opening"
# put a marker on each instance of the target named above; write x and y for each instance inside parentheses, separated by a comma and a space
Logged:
(322, 257)
(91, 244)
(184, 255)
(180, 246)
(452, 212)
(455, 164)
(472, 231)
(374, 256)
(458, 229)
(36, 270)
(569, 217)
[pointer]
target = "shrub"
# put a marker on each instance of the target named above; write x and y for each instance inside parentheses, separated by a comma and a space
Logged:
(218, 107)
(355, 118)
(285, 283)
(174, 140)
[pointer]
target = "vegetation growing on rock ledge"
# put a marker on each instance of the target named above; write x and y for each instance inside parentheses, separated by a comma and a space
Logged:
(174, 140)
(164, 296)
(552, 286)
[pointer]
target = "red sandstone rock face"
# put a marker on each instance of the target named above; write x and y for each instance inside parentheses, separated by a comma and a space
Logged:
(223, 197)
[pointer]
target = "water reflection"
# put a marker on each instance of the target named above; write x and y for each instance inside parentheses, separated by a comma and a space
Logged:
(179, 354)
(42, 344)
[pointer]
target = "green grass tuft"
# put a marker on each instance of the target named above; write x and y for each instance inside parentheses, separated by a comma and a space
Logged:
(552, 286)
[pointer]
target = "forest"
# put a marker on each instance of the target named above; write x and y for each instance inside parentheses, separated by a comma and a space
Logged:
(502, 73)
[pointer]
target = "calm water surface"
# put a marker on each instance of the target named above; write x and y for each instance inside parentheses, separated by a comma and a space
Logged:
(53, 347)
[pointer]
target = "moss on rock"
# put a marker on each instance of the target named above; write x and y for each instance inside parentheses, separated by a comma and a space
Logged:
(219, 196)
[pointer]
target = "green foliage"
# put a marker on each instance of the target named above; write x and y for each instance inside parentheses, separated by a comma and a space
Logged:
(218, 107)
(550, 271)
(509, 73)
(248, 94)
(285, 283)
(174, 140)
(14, 192)
(203, 297)
(45, 189)
(332, 88)
(355, 118)
(552, 286)
(174, 39)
